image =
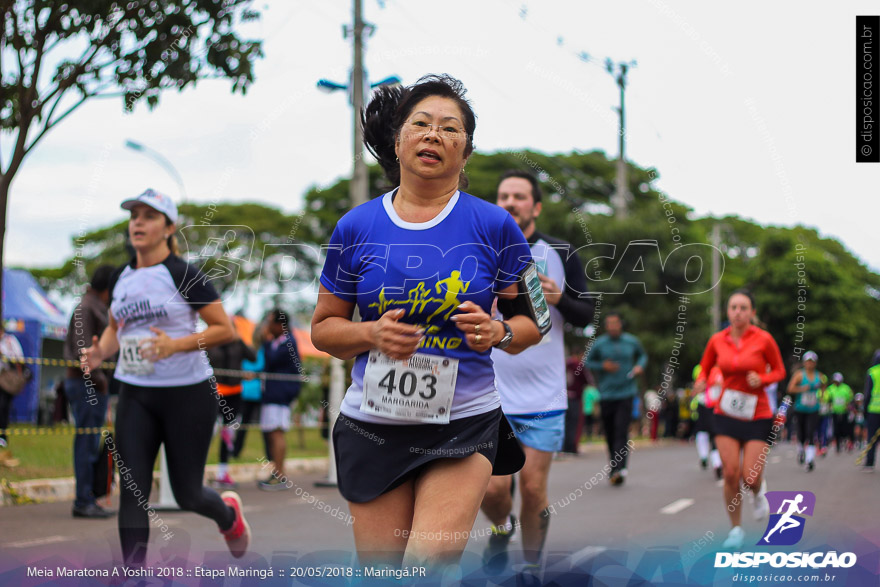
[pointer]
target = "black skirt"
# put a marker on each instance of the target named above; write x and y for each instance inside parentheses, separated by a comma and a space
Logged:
(743, 430)
(372, 459)
(705, 420)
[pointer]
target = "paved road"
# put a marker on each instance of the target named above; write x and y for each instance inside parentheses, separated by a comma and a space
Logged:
(667, 504)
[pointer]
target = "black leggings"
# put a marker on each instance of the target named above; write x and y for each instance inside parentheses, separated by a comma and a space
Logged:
(841, 429)
(228, 414)
(616, 415)
(181, 418)
(807, 424)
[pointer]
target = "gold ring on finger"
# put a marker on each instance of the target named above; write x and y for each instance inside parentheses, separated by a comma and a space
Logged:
(478, 338)
(477, 328)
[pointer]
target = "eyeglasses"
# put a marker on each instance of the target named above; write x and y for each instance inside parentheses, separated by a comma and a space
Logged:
(420, 128)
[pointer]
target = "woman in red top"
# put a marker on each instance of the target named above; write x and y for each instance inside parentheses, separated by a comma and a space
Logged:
(743, 417)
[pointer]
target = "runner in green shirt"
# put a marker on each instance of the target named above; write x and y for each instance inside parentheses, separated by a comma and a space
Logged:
(591, 396)
(838, 396)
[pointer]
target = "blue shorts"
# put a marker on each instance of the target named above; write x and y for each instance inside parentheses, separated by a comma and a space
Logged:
(541, 432)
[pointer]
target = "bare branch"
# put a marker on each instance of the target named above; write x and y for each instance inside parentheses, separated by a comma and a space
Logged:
(51, 124)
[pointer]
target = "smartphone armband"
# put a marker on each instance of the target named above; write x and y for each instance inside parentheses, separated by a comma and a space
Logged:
(529, 300)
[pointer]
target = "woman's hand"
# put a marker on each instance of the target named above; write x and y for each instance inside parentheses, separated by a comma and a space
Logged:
(480, 331)
(159, 347)
(753, 379)
(396, 339)
(699, 386)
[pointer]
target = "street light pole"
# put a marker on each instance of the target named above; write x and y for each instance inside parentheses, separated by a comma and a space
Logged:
(358, 192)
(162, 161)
(359, 187)
(621, 195)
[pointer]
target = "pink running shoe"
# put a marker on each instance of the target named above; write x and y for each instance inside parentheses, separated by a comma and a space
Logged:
(224, 482)
(238, 537)
(227, 436)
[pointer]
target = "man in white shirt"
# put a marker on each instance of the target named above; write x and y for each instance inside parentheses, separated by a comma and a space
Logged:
(532, 384)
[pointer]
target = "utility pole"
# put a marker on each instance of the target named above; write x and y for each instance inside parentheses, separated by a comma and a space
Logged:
(357, 194)
(358, 190)
(716, 266)
(621, 194)
(359, 186)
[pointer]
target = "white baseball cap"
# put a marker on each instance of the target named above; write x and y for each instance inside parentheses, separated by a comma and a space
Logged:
(155, 200)
(838, 377)
(811, 356)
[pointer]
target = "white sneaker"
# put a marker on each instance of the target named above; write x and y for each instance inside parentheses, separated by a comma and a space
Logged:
(735, 539)
(762, 506)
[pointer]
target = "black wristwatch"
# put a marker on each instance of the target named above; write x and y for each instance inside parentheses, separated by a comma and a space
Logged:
(507, 338)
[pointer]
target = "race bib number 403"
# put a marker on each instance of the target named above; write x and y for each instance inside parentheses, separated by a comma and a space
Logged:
(418, 390)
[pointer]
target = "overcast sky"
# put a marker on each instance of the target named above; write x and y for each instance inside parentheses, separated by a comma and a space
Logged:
(744, 108)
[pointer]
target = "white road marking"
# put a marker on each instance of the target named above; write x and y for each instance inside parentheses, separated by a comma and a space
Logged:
(37, 541)
(677, 506)
(586, 554)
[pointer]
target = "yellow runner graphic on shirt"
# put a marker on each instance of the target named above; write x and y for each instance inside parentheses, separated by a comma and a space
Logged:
(418, 298)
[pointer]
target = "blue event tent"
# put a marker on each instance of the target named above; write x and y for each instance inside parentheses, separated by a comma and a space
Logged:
(32, 318)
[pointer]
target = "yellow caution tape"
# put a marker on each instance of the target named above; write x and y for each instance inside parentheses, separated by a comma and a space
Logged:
(868, 447)
(245, 375)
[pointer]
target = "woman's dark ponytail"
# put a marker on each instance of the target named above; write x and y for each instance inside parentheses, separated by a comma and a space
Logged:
(380, 131)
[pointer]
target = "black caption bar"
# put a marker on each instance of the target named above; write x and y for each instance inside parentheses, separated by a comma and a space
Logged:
(867, 115)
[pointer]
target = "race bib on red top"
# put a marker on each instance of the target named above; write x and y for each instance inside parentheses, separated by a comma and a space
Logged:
(738, 404)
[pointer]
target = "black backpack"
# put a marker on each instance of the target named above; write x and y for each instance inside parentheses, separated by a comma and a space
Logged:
(102, 478)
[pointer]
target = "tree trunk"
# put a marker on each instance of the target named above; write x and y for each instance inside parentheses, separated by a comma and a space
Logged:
(5, 180)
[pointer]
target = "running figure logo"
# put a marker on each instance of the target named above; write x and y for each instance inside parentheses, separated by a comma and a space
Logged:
(786, 526)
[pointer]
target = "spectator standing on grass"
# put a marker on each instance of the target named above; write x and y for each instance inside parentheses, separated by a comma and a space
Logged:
(9, 347)
(617, 358)
(252, 394)
(282, 357)
(87, 393)
(229, 387)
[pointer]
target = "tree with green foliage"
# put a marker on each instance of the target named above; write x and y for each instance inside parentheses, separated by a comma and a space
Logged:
(640, 265)
(250, 238)
(55, 56)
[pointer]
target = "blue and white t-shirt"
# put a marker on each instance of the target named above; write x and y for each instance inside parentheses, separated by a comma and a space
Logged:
(533, 381)
(165, 296)
(468, 252)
